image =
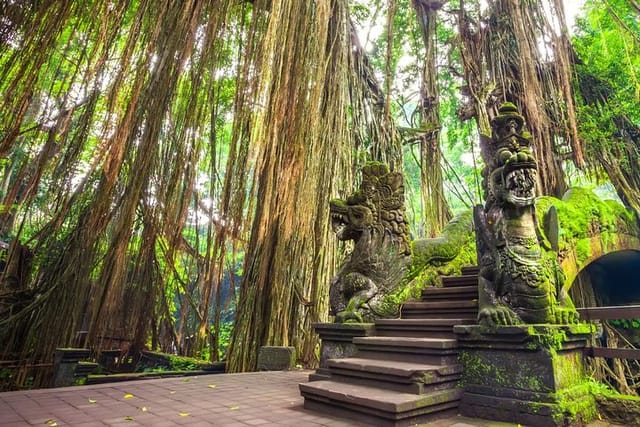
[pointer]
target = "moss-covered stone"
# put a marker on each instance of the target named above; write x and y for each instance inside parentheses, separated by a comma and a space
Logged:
(375, 220)
(531, 374)
(444, 248)
(589, 228)
(583, 215)
(444, 255)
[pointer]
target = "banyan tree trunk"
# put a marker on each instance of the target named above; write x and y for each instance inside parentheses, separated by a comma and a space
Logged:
(304, 156)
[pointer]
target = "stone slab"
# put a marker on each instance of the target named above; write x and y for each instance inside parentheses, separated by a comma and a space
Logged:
(386, 403)
(65, 361)
(275, 358)
(343, 331)
(408, 370)
(426, 343)
(524, 337)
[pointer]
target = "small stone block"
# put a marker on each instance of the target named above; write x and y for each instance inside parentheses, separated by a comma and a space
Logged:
(273, 358)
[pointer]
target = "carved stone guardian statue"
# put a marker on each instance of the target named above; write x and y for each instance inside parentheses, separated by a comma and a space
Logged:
(374, 218)
(519, 281)
(523, 362)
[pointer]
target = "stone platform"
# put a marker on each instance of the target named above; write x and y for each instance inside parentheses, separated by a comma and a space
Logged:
(225, 400)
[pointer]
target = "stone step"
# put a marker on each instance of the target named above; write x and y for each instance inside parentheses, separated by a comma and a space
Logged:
(457, 293)
(406, 377)
(376, 406)
(85, 368)
(465, 280)
(470, 270)
(439, 309)
(431, 328)
(432, 351)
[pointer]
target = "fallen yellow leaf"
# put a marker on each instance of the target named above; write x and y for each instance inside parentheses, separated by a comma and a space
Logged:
(51, 423)
(234, 408)
(211, 386)
(172, 392)
(128, 418)
(184, 414)
(144, 409)
(128, 396)
(92, 401)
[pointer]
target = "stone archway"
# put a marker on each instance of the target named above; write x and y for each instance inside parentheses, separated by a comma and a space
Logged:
(611, 280)
(606, 251)
(615, 278)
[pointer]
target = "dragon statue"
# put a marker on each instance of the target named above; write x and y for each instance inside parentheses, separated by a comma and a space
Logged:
(520, 279)
(374, 218)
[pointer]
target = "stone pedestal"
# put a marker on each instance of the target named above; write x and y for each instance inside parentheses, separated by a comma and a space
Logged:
(530, 374)
(337, 343)
(65, 361)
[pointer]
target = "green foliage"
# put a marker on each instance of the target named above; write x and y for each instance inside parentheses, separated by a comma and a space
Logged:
(607, 43)
(224, 339)
(181, 363)
(626, 323)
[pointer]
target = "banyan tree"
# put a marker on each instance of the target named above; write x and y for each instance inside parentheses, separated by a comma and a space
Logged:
(157, 153)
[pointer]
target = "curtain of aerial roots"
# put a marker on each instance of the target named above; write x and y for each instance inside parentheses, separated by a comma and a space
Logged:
(537, 80)
(618, 154)
(372, 131)
(65, 262)
(471, 42)
(301, 135)
(97, 266)
(435, 207)
(173, 48)
(41, 29)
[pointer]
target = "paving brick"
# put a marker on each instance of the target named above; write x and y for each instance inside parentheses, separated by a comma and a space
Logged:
(91, 424)
(238, 400)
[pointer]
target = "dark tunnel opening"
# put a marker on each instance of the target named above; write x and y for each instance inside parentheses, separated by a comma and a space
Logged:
(613, 279)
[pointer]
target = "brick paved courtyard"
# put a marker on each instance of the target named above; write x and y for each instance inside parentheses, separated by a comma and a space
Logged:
(251, 399)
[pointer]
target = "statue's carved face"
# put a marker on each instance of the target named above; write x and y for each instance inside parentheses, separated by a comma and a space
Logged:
(519, 184)
(349, 221)
(513, 179)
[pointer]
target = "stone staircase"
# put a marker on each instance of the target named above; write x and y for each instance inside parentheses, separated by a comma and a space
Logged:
(407, 372)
